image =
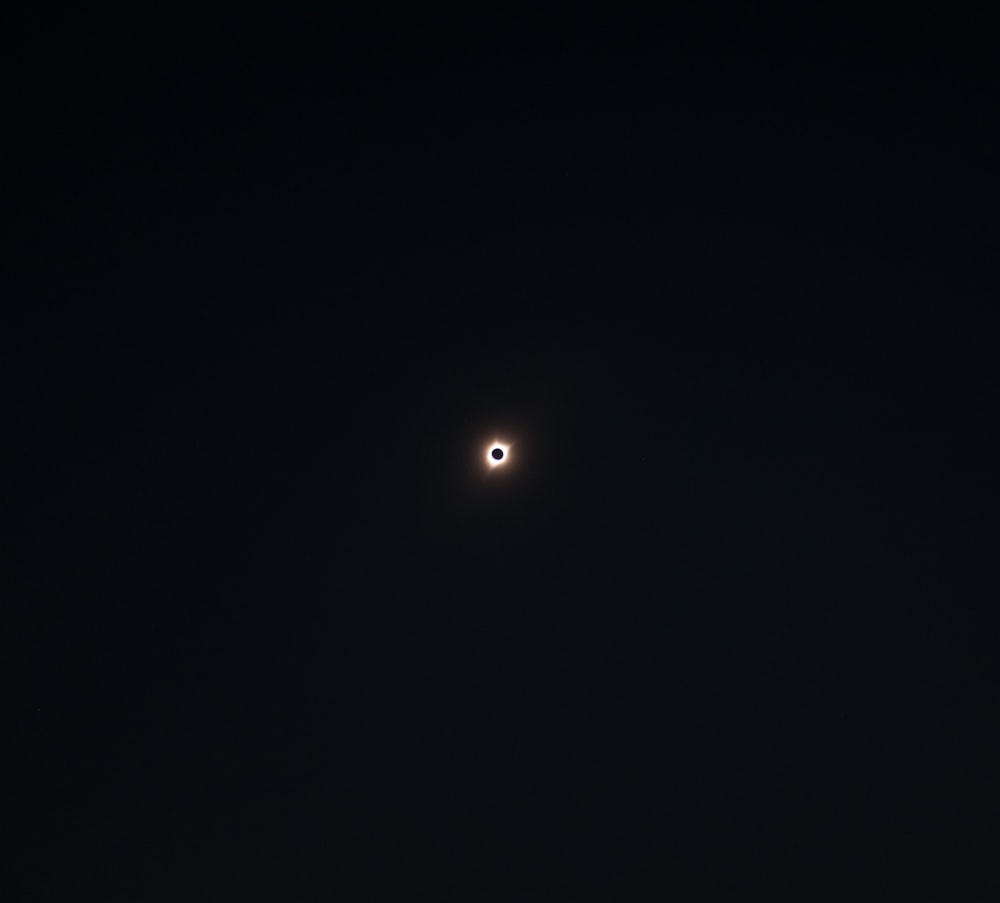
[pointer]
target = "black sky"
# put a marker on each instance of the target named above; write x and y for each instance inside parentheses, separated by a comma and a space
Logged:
(725, 624)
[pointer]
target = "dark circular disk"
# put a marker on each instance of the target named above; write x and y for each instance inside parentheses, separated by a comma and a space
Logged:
(497, 454)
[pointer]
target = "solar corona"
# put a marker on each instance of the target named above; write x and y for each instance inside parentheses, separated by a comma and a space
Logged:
(497, 454)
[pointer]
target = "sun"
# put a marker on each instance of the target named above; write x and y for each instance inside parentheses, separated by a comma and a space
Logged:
(497, 454)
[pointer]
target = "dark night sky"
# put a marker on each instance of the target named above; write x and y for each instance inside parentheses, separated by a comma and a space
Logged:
(723, 628)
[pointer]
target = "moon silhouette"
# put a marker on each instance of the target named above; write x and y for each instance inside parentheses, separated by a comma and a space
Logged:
(497, 454)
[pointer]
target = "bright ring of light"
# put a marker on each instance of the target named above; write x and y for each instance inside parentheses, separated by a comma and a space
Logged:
(497, 446)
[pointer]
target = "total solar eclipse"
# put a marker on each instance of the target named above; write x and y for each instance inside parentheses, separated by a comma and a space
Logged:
(497, 454)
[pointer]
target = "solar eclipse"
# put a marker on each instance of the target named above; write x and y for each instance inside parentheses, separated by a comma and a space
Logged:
(497, 454)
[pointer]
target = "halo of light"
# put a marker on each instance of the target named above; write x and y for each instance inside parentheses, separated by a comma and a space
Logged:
(493, 462)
